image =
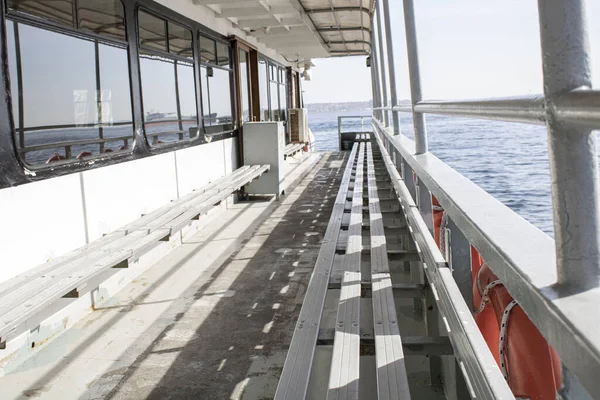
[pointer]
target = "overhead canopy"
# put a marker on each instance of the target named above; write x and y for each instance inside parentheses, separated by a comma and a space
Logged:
(302, 29)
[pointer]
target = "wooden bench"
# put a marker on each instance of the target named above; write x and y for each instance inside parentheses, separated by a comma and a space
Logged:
(292, 148)
(347, 337)
(27, 294)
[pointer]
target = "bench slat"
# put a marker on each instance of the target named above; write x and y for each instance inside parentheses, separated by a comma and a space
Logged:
(293, 383)
(392, 382)
(345, 361)
(202, 208)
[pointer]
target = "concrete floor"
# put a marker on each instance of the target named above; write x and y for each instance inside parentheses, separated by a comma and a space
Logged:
(212, 320)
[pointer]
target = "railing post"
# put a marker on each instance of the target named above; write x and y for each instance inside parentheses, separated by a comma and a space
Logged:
(412, 53)
(386, 115)
(391, 64)
(572, 150)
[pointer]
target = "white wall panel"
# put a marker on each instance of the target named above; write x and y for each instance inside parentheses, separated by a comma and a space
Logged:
(39, 221)
(198, 165)
(119, 194)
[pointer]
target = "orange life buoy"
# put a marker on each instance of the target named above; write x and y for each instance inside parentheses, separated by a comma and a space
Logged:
(531, 367)
(438, 214)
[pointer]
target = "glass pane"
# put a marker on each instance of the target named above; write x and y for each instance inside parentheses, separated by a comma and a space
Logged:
(180, 40)
(115, 98)
(220, 96)
(263, 90)
(59, 94)
(273, 72)
(245, 82)
(208, 53)
(204, 82)
(216, 98)
(152, 31)
(283, 102)
(56, 10)
(187, 98)
(274, 101)
(105, 18)
(159, 97)
(222, 54)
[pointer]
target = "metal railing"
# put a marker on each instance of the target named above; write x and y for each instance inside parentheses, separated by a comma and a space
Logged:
(556, 282)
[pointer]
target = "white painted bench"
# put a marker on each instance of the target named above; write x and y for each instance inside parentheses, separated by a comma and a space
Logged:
(26, 295)
(293, 148)
(346, 337)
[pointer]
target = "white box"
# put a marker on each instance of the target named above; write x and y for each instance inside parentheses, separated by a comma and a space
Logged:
(264, 143)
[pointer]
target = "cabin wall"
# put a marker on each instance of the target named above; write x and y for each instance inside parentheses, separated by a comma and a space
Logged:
(49, 218)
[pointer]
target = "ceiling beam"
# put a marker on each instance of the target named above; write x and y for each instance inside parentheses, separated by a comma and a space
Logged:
(246, 12)
(343, 29)
(337, 9)
(224, 2)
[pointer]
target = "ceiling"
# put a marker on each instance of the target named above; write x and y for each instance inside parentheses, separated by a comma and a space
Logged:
(301, 30)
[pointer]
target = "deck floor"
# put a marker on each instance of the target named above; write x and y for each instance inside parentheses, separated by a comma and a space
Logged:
(212, 320)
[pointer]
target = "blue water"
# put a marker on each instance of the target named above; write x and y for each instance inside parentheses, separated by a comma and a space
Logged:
(508, 160)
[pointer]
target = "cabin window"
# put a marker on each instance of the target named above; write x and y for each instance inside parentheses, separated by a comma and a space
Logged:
(263, 82)
(215, 78)
(71, 95)
(168, 81)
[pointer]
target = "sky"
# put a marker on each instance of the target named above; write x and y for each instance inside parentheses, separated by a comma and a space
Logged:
(467, 49)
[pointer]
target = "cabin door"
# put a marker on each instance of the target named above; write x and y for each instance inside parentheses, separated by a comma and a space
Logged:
(246, 77)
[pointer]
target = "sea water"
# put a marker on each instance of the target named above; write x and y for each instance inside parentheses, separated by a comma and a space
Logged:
(508, 160)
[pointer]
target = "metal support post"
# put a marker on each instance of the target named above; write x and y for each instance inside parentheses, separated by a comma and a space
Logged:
(412, 53)
(424, 203)
(459, 260)
(386, 115)
(391, 63)
(572, 149)
(375, 66)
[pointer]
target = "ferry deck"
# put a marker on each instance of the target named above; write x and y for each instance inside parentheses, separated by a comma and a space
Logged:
(169, 232)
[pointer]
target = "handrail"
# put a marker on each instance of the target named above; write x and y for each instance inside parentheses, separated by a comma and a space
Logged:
(521, 256)
(581, 107)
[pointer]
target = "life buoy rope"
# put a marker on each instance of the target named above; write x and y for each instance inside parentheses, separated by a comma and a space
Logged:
(502, 343)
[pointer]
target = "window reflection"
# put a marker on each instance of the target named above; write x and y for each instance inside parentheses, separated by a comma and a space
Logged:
(208, 52)
(56, 10)
(215, 79)
(244, 82)
(159, 96)
(187, 98)
(69, 106)
(180, 40)
(263, 89)
(216, 99)
(168, 82)
(152, 31)
(222, 54)
(105, 17)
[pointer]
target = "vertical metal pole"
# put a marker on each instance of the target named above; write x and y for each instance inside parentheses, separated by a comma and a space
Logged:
(386, 115)
(572, 150)
(375, 65)
(391, 63)
(412, 53)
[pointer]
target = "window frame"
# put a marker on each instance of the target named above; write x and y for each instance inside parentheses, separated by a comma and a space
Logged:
(155, 142)
(232, 85)
(73, 31)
